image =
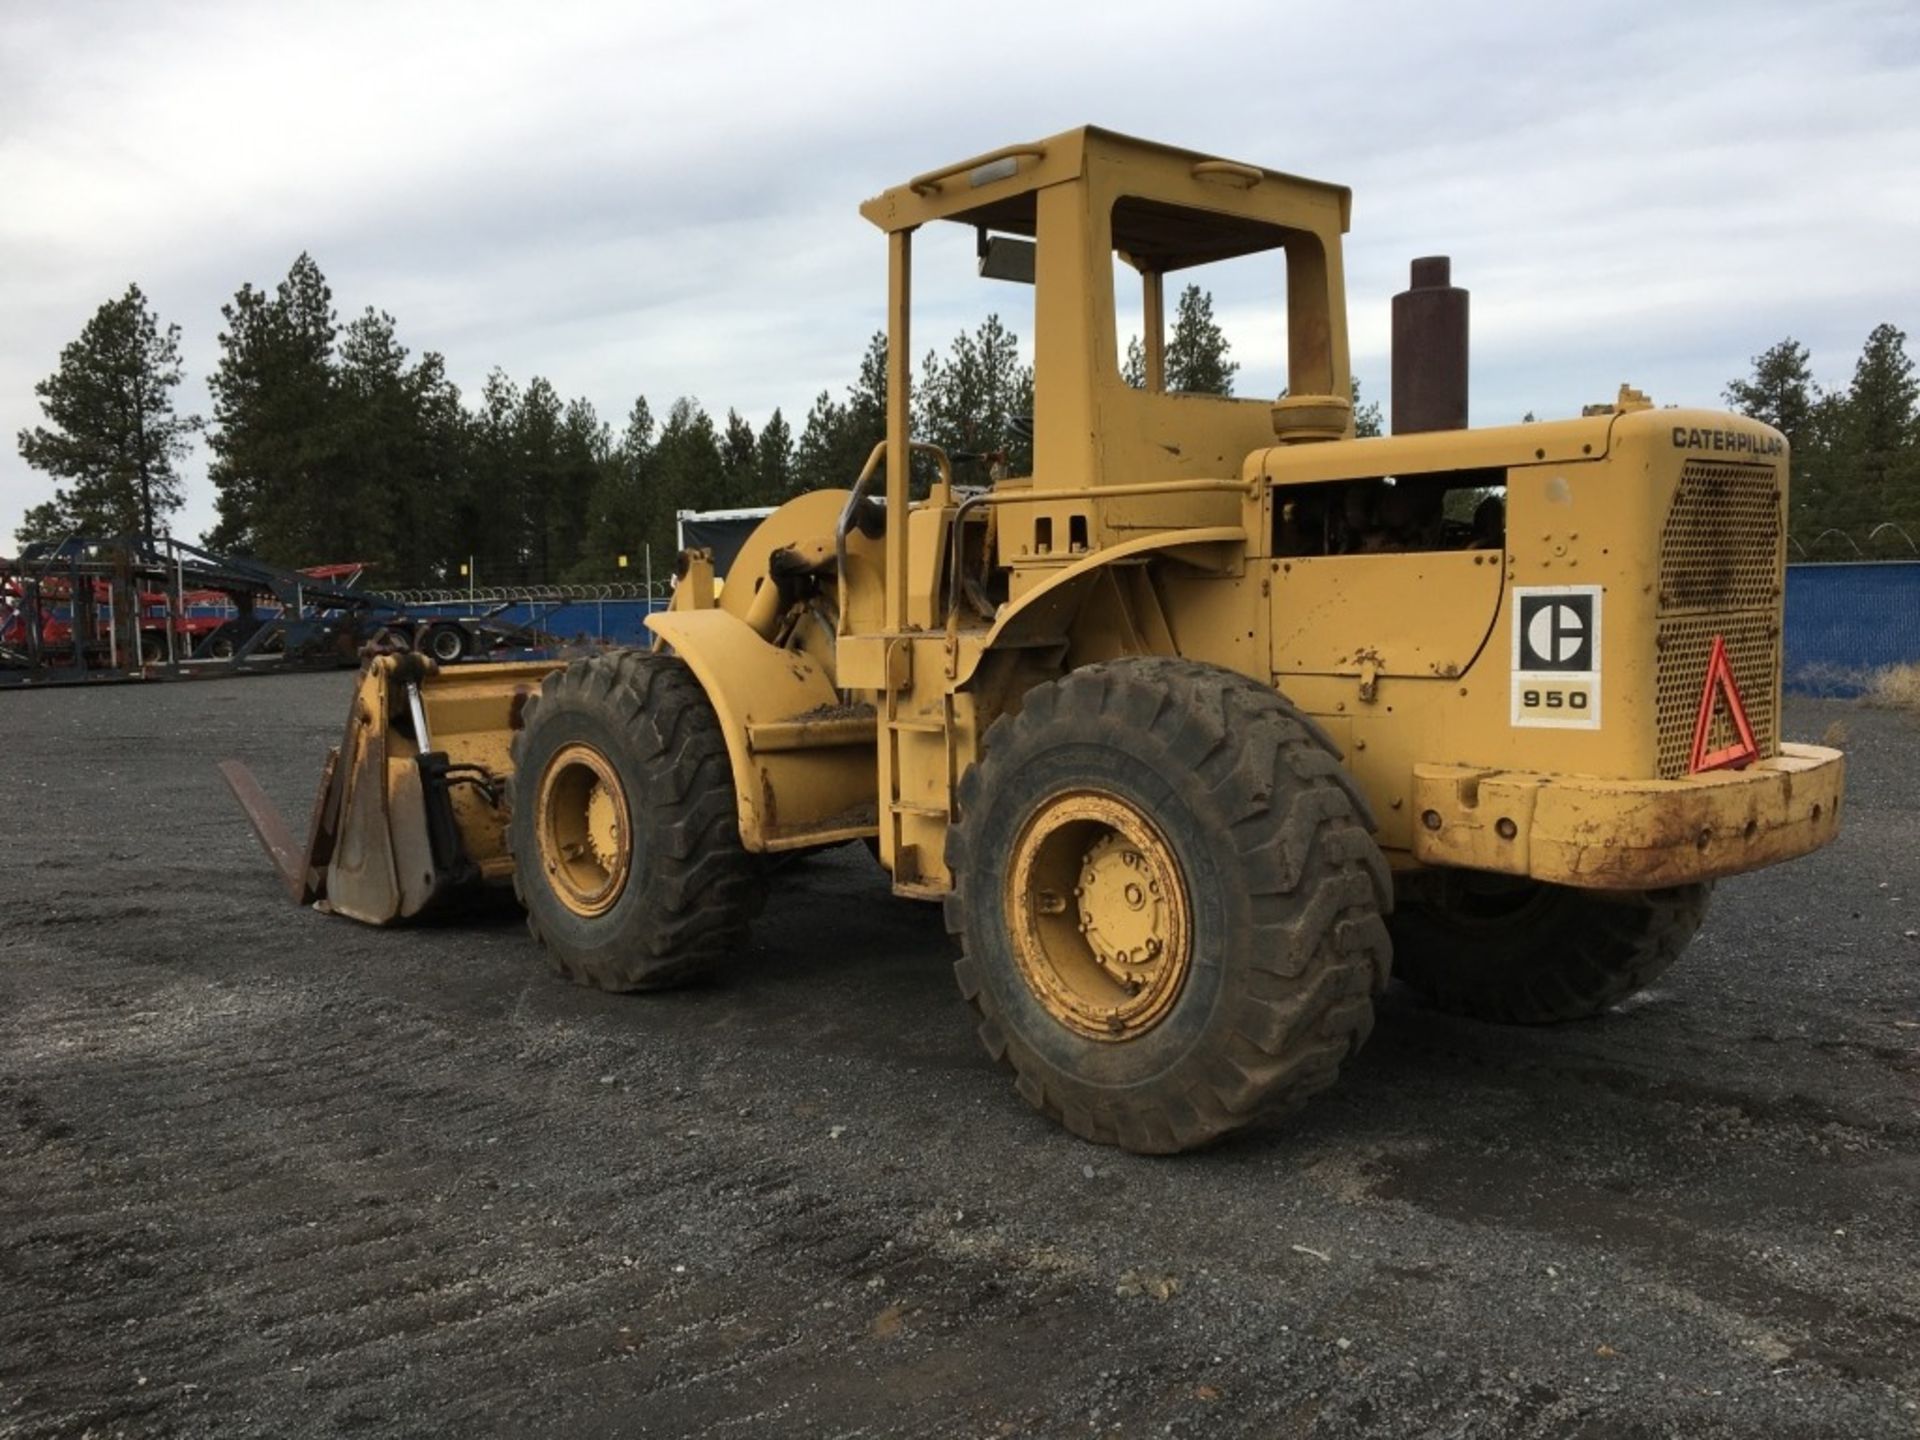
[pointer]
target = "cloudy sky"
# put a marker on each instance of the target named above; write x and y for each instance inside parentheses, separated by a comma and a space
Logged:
(639, 199)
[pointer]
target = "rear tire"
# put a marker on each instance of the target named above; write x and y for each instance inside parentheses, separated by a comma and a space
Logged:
(448, 644)
(1242, 840)
(624, 831)
(1525, 953)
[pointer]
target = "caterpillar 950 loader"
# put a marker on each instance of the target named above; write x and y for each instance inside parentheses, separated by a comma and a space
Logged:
(1199, 730)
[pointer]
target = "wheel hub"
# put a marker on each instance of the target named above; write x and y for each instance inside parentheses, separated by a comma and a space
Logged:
(603, 826)
(583, 829)
(1123, 913)
(1097, 909)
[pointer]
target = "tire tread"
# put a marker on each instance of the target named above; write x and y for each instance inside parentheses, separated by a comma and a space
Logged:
(701, 899)
(1315, 879)
(1593, 953)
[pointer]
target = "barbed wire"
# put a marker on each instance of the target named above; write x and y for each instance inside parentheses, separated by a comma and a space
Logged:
(1834, 536)
(1874, 534)
(531, 594)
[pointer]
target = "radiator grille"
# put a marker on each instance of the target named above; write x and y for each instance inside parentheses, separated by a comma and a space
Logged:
(1721, 545)
(1753, 649)
(1720, 559)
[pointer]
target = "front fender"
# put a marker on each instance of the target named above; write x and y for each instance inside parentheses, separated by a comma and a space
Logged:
(803, 762)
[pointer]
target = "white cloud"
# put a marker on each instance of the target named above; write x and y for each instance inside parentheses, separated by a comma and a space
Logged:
(644, 199)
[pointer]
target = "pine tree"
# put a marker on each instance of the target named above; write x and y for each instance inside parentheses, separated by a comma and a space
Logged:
(112, 435)
(821, 458)
(274, 468)
(633, 464)
(1196, 357)
(1881, 414)
(773, 462)
(1856, 452)
(838, 435)
(487, 527)
(1780, 392)
(374, 442)
(583, 449)
(46, 522)
(536, 429)
(1878, 433)
(636, 441)
(967, 401)
(398, 449)
(1197, 360)
(867, 400)
(616, 521)
(688, 473)
(1367, 421)
(443, 478)
(737, 453)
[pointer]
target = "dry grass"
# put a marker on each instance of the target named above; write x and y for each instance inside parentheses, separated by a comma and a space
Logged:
(1896, 687)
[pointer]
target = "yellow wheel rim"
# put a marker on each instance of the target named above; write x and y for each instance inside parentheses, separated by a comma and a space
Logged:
(584, 830)
(1098, 912)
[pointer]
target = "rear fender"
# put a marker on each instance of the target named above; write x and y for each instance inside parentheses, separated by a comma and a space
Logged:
(1047, 614)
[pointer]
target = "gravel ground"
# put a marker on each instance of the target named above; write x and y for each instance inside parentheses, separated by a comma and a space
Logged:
(266, 1172)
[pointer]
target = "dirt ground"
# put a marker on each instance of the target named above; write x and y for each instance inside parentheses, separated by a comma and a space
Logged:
(263, 1172)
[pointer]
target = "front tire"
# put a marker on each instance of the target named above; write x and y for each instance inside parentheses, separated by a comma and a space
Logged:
(624, 831)
(1167, 901)
(1522, 952)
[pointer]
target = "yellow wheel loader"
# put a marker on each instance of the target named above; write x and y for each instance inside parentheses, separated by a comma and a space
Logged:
(1200, 730)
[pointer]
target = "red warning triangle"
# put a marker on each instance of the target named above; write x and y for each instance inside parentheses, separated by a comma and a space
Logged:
(1720, 682)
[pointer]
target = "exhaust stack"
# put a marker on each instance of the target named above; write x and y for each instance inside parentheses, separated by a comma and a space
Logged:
(1430, 350)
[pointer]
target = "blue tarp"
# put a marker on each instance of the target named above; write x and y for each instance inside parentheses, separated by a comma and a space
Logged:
(1845, 621)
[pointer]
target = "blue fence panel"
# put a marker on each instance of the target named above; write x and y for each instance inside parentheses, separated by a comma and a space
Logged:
(617, 622)
(1845, 621)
